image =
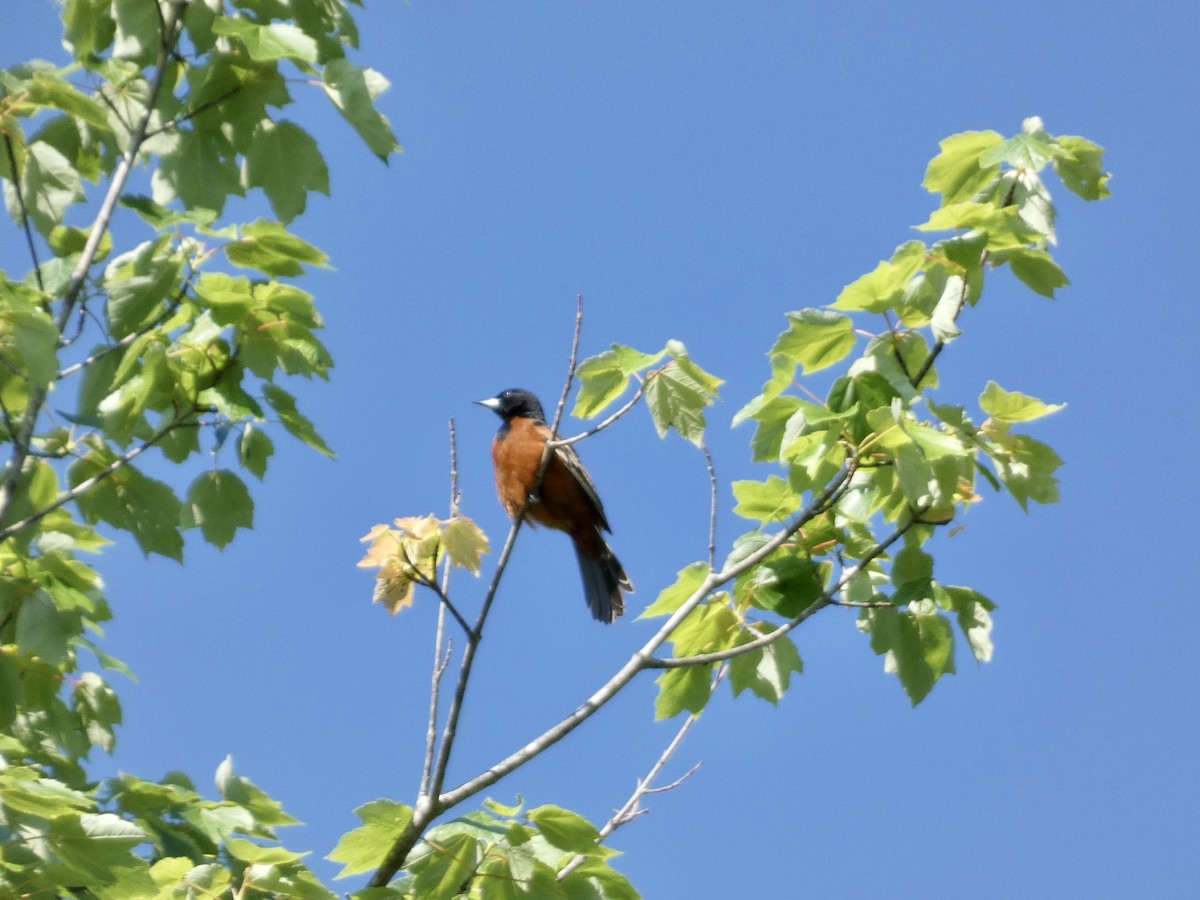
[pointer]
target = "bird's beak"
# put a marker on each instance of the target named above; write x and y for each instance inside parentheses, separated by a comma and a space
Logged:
(491, 403)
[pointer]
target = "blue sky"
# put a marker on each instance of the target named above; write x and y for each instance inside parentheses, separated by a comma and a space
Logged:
(696, 171)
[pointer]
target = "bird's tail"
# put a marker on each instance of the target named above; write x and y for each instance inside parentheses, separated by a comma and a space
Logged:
(603, 581)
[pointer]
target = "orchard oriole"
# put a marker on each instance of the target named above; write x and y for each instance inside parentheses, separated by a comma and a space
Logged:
(566, 499)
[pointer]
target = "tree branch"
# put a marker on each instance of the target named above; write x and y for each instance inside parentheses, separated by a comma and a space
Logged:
(25, 226)
(826, 599)
(84, 486)
(37, 396)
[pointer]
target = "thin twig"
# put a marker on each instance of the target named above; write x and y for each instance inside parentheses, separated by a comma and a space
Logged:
(16, 183)
(87, 484)
(632, 807)
(826, 599)
(441, 647)
(712, 506)
(583, 435)
(192, 113)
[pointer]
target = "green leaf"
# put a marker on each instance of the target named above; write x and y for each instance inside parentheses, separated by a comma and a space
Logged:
(353, 91)
(93, 846)
(594, 880)
(254, 853)
(269, 248)
(1081, 168)
(884, 287)
(968, 215)
(974, 619)
(1028, 150)
(772, 500)
(34, 337)
(254, 449)
(956, 172)
(1027, 467)
(365, 847)
(67, 240)
(161, 218)
(787, 585)
(601, 381)
(772, 417)
(137, 36)
(286, 163)
(446, 864)
(565, 829)
(98, 709)
(1036, 268)
(128, 500)
(229, 298)
(220, 504)
(88, 26)
(605, 376)
(944, 318)
(42, 630)
(676, 396)
(1026, 191)
(251, 798)
(767, 671)
(816, 339)
(265, 43)
(40, 796)
(671, 598)
(709, 628)
(686, 688)
(917, 647)
(48, 89)
(1013, 406)
(200, 170)
(49, 184)
(912, 564)
(284, 405)
(139, 283)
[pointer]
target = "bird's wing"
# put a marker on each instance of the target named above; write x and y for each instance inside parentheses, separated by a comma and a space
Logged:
(571, 460)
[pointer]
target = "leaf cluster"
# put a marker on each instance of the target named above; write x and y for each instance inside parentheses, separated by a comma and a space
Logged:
(120, 360)
(902, 464)
(496, 852)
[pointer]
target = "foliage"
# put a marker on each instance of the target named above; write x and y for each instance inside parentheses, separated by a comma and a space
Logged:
(861, 482)
(121, 344)
(146, 318)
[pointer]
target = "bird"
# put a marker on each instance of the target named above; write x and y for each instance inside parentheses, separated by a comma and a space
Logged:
(566, 500)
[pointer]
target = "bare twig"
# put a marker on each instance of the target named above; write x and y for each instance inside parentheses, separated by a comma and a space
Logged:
(583, 435)
(712, 506)
(28, 229)
(441, 648)
(826, 599)
(632, 808)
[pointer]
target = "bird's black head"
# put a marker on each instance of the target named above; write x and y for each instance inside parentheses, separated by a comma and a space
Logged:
(515, 404)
